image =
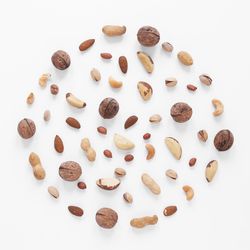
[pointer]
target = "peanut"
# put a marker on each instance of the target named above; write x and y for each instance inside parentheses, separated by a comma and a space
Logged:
(144, 221)
(150, 183)
(90, 152)
(38, 170)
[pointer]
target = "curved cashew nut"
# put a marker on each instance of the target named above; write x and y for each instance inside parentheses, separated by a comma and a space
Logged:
(189, 192)
(219, 107)
(151, 151)
(114, 83)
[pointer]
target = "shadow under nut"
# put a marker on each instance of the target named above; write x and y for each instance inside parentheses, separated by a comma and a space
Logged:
(70, 171)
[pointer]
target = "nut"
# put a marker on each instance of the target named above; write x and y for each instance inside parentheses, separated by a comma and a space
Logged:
(54, 89)
(46, 115)
(146, 136)
(128, 158)
(77, 211)
(189, 192)
(155, 118)
(108, 183)
(123, 143)
(211, 170)
(171, 174)
(120, 172)
(148, 36)
(168, 47)
(108, 108)
(205, 79)
(26, 128)
(74, 101)
(145, 90)
(146, 61)
(37, 167)
(106, 55)
(70, 171)
(61, 60)
(128, 197)
(30, 98)
(185, 58)
(89, 151)
(107, 153)
(191, 87)
(192, 162)
(223, 140)
(123, 63)
(58, 144)
(81, 185)
(95, 74)
(151, 151)
(86, 44)
(106, 217)
(72, 122)
(113, 30)
(170, 82)
(181, 112)
(144, 221)
(114, 83)
(202, 135)
(149, 182)
(130, 121)
(219, 107)
(174, 147)
(53, 191)
(170, 210)
(44, 78)
(102, 130)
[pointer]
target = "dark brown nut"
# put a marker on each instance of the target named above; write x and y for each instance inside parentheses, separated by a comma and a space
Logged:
(102, 130)
(72, 122)
(130, 121)
(106, 55)
(61, 60)
(146, 136)
(191, 87)
(58, 144)
(170, 210)
(202, 135)
(223, 140)
(107, 153)
(145, 90)
(26, 128)
(81, 185)
(120, 172)
(128, 158)
(148, 36)
(46, 115)
(181, 112)
(70, 171)
(192, 162)
(86, 44)
(205, 79)
(123, 63)
(167, 46)
(106, 217)
(77, 211)
(108, 108)
(54, 89)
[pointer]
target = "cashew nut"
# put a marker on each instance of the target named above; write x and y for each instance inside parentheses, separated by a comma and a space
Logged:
(189, 192)
(151, 151)
(90, 152)
(114, 83)
(219, 107)
(44, 78)
(144, 221)
(74, 101)
(38, 170)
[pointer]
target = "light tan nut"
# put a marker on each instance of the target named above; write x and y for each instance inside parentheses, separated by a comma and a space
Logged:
(170, 82)
(168, 47)
(120, 172)
(189, 192)
(150, 183)
(89, 151)
(37, 167)
(205, 79)
(144, 221)
(128, 197)
(74, 101)
(211, 170)
(46, 115)
(30, 98)
(145, 90)
(106, 55)
(95, 74)
(219, 107)
(123, 143)
(171, 174)
(151, 151)
(108, 183)
(155, 118)
(202, 135)
(146, 61)
(114, 83)
(44, 78)
(185, 58)
(86, 44)
(72, 122)
(174, 147)
(113, 30)
(58, 144)
(170, 210)
(53, 191)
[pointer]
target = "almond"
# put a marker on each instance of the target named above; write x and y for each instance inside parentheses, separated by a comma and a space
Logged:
(174, 147)
(123, 63)
(86, 44)
(102, 130)
(191, 87)
(106, 55)
(77, 211)
(170, 210)
(108, 183)
(58, 144)
(130, 121)
(73, 122)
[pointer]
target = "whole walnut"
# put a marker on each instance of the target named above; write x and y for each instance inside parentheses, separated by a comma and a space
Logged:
(108, 108)
(148, 36)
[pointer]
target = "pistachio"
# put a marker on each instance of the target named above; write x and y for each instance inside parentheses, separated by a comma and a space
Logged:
(211, 170)
(53, 191)
(202, 135)
(174, 147)
(155, 118)
(95, 74)
(120, 172)
(205, 79)
(128, 197)
(170, 82)
(168, 47)
(171, 174)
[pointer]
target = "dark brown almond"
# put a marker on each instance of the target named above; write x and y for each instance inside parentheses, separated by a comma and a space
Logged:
(58, 144)
(170, 210)
(106, 55)
(191, 87)
(81, 185)
(77, 211)
(146, 136)
(123, 63)
(107, 153)
(128, 158)
(86, 44)
(73, 122)
(130, 121)
(192, 162)
(102, 130)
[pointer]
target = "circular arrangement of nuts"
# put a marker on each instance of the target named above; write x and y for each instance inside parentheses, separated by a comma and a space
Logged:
(180, 112)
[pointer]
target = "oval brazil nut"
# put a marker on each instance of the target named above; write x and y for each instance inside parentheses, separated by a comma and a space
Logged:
(150, 183)
(70, 171)
(223, 140)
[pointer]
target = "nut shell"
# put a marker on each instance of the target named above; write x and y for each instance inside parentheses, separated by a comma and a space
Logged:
(61, 60)
(181, 112)
(106, 217)
(26, 128)
(108, 108)
(70, 171)
(148, 36)
(223, 140)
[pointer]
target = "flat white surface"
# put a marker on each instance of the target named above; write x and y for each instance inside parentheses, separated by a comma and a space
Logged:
(215, 33)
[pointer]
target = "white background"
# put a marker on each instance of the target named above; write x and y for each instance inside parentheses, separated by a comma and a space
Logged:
(215, 33)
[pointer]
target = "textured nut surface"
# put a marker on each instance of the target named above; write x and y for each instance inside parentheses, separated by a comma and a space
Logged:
(106, 55)
(150, 183)
(71, 121)
(144, 221)
(123, 63)
(130, 121)
(114, 83)
(26, 128)
(58, 144)
(174, 147)
(106, 217)
(167, 46)
(189, 192)
(43, 79)
(223, 140)
(86, 44)
(114, 30)
(185, 58)
(128, 197)
(108, 108)
(148, 36)
(107, 153)
(128, 157)
(156, 118)
(61, 60)
(95, 74)
(102, 130)
(53, 191)
(171, 174)
(181, 112)
(108, 183)
(30, 98)
(70, 171)
(211, 170)
(77, 211)
(122, 142)
(146, 61)
(74, 101)
(192, 162)
(205, 79)
(170, 210)
(46, 115)
(170, 81)
(54, 89)
(145, 90)
(120, 172)
(151, 151)
(219, 107)
(202, 135)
